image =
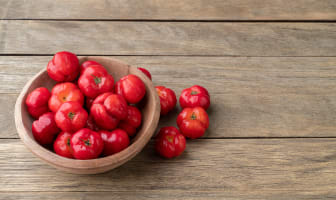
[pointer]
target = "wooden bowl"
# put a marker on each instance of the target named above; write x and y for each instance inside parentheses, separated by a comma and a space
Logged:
(150, 114)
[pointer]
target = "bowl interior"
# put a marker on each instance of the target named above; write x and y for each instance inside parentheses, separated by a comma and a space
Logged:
(150, 110)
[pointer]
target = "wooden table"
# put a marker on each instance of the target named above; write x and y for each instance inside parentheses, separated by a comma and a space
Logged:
(270, 68)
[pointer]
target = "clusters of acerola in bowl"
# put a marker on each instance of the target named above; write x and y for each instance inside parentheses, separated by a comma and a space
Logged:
(85, 115)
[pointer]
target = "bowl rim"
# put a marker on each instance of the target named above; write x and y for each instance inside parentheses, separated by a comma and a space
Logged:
(114, 160)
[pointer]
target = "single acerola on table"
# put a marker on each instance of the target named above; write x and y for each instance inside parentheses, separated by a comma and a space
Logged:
(95, 80)
(62, 145)
(170, 142)
(114, 141)
(37, 102)
(131, 88)
(193, 122)
(108, 109)
(167, 99)
(132, 122)
(195, 96)
(45, 129)
(64, 66)
(64, 92)
(146, 72)
(71, 116)
(86, 144)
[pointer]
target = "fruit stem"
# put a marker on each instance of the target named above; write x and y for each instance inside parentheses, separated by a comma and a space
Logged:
(193, 92)
(86, 142)
(71, 115)
(96, 79)
(193, 116)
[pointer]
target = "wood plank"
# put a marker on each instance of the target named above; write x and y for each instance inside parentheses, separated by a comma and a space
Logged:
(169, 38)
(164, 195)
(170, 10)
(229, 168)
(251, 97)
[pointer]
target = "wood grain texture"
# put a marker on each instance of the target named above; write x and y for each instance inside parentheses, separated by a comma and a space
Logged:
(170, 10)
(164, 195)
(251, 97)
(169, 38)
(224, 168)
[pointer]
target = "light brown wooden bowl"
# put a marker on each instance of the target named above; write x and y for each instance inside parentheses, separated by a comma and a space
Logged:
(150, 114)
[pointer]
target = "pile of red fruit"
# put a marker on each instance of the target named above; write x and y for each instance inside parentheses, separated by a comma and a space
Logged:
(192, 121)
(86, 115)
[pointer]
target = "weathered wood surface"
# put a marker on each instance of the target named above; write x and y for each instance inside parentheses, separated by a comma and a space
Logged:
(251, 97)
(254, 168)
(168, 38)
(166, 195)
(170, 10)
(282, 84)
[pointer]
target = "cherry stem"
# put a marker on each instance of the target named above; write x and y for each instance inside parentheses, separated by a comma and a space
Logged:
(193, 92)
(96, 79)
(86, 142)
(170, 138)
(71, 115)
(193, 116)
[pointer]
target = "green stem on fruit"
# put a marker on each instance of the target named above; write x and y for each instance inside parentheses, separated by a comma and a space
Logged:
(71, 115)
(193, 92)
(193, 116)
(86, 142)
(96, 79)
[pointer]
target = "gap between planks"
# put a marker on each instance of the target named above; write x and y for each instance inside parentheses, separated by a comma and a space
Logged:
(171, 55)
(177, 20)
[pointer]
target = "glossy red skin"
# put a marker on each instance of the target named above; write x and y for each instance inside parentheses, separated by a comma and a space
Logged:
(107, 109)
(86, 144)
(88, 103)
(193, 122)
(90, 123)
(132, 122)
(64, 92)
(130, 130)
(71, 117)
(95, 80)
(146, 72)
(45, 129)
(170, 142)
(37, 102)
(63, 67)
(167, 99)
(114, 141)
(195, 96)
(62, 145)
(131, 88)
(86, 64)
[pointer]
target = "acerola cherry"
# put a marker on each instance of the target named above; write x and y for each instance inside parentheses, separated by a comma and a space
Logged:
(131, 88)
(71, 116)
(63, 67)
(193, 122)
(170, 142)
(64, 92)
(62, 145)
(195, 96)
(45, 129)
(146, 72)
(37, 102)
(167, 99)
(86, 144)
(114, 141)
